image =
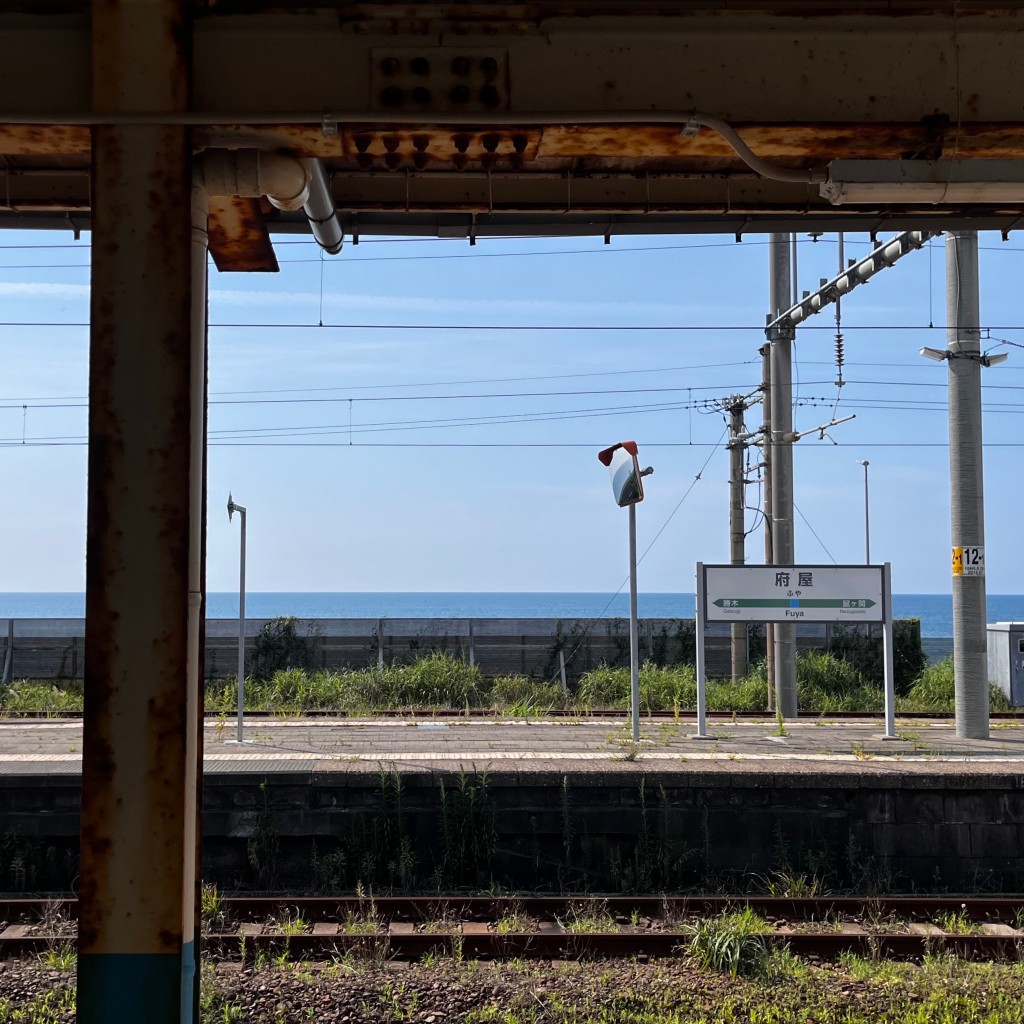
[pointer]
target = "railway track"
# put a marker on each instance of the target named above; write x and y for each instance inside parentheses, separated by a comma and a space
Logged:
(597, 714)
(548, 927)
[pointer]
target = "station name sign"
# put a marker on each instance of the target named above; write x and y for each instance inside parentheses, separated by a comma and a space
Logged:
(793, 593)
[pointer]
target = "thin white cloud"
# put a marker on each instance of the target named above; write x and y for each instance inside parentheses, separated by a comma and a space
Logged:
(429, 304)
(357, 302)
(44, 289)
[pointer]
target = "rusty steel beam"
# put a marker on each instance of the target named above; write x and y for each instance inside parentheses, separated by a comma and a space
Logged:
(136, 958)
(239, 239)
(550, 91)
(461, 147)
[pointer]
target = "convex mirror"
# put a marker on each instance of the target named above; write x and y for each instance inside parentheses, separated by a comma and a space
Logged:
(624, 466)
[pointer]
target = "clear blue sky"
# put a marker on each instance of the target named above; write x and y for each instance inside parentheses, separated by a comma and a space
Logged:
(385, 514)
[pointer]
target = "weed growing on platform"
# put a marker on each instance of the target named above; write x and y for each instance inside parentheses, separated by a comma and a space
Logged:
(780, 725)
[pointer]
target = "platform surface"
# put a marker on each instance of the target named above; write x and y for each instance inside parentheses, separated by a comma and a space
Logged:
(53, 747)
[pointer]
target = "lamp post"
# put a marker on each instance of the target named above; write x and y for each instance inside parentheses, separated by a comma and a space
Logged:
(233, 507)
(867, 514)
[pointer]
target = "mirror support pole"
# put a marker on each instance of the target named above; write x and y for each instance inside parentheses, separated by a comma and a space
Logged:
(634, 640)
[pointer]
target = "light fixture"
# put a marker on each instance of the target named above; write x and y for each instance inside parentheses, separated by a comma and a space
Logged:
(985, 358)
(924, 181)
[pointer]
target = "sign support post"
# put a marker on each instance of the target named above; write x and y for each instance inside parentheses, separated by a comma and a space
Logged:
(889, 655)
(634, 640)
(702, 724)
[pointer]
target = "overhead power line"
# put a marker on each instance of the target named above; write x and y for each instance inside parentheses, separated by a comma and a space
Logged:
(528, 328)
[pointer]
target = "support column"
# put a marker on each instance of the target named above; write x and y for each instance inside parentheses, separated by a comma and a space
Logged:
(782, 465)
(737, 534)
(769, 558)
(140, 731)
(192, 884)
(966, 481)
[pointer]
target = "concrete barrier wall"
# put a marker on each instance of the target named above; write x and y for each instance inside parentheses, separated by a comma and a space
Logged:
(598, 831)
(55, 648)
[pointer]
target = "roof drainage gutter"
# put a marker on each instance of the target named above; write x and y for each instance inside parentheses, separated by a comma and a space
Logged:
(289, 183)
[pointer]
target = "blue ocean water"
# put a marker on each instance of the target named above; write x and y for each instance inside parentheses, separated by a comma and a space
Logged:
(934, 610)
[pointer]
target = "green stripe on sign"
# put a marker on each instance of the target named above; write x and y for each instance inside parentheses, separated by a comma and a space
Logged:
(114, 988)
(793, 602)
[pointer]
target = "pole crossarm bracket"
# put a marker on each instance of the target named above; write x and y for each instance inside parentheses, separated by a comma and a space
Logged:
(984, 358)
(859, 272)
(820, 430)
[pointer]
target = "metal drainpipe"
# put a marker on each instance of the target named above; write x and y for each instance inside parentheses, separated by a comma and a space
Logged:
(288, 182)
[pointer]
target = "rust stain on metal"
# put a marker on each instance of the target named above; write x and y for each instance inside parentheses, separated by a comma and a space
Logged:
(44, 140)
(439, 146)
(365, 147)
(239, 240)
(307, 140)
(132, 793)
(526, 15)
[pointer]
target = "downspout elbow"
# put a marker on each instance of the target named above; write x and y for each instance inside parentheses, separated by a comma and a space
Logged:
(288, 182)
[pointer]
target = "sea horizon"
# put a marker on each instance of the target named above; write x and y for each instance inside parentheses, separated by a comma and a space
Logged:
(935, 610)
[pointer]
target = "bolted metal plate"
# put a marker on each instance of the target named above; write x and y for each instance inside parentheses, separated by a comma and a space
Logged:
(441, 78)
(419, 150)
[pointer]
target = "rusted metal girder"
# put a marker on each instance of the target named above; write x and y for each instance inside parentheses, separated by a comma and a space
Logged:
(574, 171)
(549, 105)
(136, 959)
(399, 147)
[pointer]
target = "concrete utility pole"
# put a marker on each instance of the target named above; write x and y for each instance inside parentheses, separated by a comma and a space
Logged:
(737, 534)
(781, 350)
(766, 437)
(966, 483)
(780, 331)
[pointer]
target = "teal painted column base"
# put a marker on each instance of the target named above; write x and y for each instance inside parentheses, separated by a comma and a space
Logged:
(115, 988)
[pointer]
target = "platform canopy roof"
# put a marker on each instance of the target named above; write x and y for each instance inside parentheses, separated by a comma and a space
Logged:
(465, 119)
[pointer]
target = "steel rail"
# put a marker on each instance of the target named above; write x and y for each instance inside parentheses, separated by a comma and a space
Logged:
(467, 925)
(996, 909)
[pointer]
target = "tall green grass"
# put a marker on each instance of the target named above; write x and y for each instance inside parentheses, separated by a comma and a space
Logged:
(934, 687)
(35, 696)
(440, 681)
(435, 681)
